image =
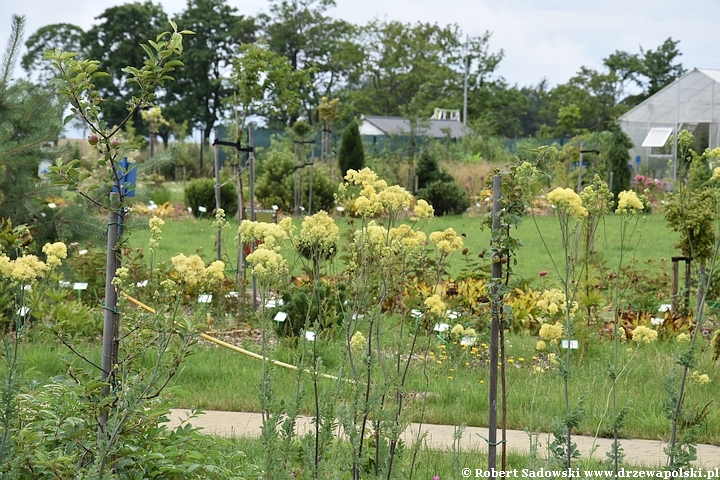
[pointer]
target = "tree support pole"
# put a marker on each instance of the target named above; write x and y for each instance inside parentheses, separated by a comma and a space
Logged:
(494, 330)
(111, 318)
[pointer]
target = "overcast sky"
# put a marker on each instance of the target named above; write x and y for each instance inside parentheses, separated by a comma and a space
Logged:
(540, 38)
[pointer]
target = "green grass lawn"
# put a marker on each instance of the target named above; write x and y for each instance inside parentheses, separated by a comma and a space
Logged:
(218, 378)
(655, 241)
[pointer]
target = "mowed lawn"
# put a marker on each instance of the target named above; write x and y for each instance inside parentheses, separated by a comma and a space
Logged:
(651, 241)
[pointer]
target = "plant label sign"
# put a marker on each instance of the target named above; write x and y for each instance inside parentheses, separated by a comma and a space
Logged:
(80, 286)
(573, 344)
(468, 341)
(440, 327)
(281, 317)
(310, 336)
(205, 298)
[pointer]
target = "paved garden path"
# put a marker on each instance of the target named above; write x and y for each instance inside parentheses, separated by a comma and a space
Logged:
(637, 452)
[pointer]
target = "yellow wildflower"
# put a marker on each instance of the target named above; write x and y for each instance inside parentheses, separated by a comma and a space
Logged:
(436, 305)
(629, 203)
(553, 303)
(395, 198)
(423, 210)
(568, 202)
(270, 234)
(55, 252)
(156, 225)
(357, 342)
(551, 332)
(457, 331)
(716, 174)
(216, 270)
(267, 264)
(27, 268)
(683, 338)
(447, 241)
(6, 265)
(319, 235)
(643, 334)
(191, 269)
(702, 379)
(540, 346)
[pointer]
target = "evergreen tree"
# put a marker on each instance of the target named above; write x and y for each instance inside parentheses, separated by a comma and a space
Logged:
(428, 170)
(619, 158)
(30, 122)
(352, 153)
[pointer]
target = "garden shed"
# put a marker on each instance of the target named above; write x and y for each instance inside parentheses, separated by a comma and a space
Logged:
(691, 102)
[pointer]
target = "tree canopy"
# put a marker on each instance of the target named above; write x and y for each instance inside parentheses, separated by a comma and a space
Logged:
(380, 68)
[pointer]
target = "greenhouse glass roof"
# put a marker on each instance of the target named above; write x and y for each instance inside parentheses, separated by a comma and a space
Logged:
(692, 98)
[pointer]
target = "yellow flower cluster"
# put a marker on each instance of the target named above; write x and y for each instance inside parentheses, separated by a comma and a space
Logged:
(412, 240)
(716, 174)
(596, 197)
(540, 346)
(368, 196)
(643, 334)
(447, 241)
(395, 198)
(155, 225)
(458, 332)
(271, 234)
(435, 304)
(215, 271)
(357, 342)
(121, 274)
(629, 203)
(551, 333)
(702, 379)
(55, 253)
(422, 210)
(553, 303)
(568, 202)
(192, 269)
(267, 264)
(319, 232)
(23, 269)
(683, 338)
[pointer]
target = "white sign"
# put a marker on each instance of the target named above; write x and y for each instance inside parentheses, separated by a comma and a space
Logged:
(23, 311)
(357, 316)
(232, 295)
(468, 341)
(310, 336)
(452, 314)
(80, 286)
(272, 303)
(64, 284)
(665, 307)
(573, 344)
(281, 317)
(142, 284)
(657, 321)
(441, 327)
(202, 209)
(416, 313)
(205, 298)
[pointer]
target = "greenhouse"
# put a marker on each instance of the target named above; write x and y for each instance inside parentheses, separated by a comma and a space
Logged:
(691, 102)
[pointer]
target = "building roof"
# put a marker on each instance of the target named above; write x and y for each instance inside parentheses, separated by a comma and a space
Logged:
(692, 98)
(373, 125)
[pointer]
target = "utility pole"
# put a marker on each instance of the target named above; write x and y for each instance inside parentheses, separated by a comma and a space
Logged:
(465, 83)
